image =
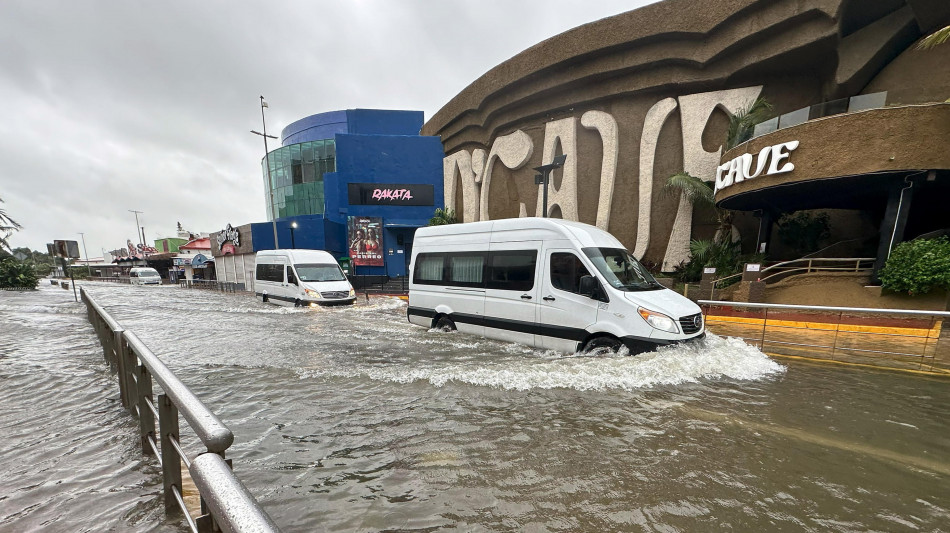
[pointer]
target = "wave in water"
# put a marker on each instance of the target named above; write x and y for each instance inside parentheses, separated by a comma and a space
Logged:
(714, 357)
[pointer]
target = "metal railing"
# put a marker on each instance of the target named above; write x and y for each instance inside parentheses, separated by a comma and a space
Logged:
(807, 265)
(210, 284)
(883, 337)
(225, 503)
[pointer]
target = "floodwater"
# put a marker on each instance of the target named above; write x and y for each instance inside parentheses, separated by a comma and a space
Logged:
(351, 419)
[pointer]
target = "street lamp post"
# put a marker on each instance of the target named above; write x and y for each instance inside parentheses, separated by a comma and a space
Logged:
(83, 235)
(293, 226)
(545, 177)
(264, 134)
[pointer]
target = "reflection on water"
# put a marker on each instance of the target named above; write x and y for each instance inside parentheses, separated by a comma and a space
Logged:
(351, 419)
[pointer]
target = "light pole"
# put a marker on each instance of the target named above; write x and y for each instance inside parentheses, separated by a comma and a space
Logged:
(83, 235)
(273, 214)
(137, 225)
(293, 226)
(545, 177)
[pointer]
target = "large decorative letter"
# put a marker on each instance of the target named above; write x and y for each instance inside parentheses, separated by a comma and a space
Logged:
(695, 110)
(459, 165)
(606, 126)
(652, 125)
(564, 132)
(513, 150)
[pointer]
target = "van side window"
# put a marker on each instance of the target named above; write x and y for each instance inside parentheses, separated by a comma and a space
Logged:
(290, 276)
(267, 272)
(429, 269)
(512, 270)
(467, 270)
(566, 272)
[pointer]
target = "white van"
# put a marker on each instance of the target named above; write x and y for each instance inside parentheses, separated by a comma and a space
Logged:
(301, 278)
(549, 283)
(144, 276)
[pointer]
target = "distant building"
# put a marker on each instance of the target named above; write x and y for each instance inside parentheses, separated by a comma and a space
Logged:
(356, 183)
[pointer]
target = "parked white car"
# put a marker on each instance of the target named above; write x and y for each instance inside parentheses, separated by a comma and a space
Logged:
(144, 276)
(549, 283)
(301, 278)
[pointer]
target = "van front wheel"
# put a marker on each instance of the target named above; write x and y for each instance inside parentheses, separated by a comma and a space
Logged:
(444, 323)
(602, 346)
(264, 297)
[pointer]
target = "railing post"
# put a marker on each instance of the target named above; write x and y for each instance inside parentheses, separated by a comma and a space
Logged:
(119, 363)
(171, 463)
(146, 418)
(765, 322)
(834, 342)
(131, 384)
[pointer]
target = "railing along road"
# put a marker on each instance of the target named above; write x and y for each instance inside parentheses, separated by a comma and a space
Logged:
(909, 339)
(226, 505)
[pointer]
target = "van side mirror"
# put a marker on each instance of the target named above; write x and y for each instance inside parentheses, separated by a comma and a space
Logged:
(590, 288)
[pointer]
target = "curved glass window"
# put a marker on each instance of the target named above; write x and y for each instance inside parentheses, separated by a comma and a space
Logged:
(293, 178)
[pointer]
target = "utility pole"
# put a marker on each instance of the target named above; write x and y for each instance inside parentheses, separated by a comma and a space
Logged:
(268, 185)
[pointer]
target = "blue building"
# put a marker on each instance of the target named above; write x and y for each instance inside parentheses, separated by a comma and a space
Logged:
(356, 183)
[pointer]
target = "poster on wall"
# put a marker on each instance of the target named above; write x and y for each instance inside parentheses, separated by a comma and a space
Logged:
(365, 235)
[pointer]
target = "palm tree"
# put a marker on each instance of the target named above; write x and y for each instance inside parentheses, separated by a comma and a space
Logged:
(443, 217)
(7, 227)
(699, 192)
(742, 123)
(938, 37)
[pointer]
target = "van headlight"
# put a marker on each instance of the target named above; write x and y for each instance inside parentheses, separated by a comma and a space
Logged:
(312, 293)
(352, 293)
(658, 320)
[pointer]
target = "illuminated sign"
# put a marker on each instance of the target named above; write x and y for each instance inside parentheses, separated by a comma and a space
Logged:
(390, 194)
(740, 168)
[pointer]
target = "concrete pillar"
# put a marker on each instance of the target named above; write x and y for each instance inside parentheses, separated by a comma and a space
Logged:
(892, 227)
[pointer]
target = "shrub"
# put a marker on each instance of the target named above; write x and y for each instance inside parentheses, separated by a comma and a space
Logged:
(917, 267)
(804, 232)
(14, 274)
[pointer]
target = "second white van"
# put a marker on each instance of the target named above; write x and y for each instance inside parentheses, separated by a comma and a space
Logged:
(549, 283)
(301, 278)
(144, 276)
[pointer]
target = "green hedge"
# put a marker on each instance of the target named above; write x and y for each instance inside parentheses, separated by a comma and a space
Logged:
(14, 274)
(918, 267)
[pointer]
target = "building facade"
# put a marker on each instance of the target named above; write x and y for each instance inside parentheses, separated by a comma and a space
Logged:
(356, 183)
(636, 98)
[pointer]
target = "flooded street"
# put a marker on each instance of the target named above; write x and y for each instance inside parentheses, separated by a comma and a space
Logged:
(351, 419)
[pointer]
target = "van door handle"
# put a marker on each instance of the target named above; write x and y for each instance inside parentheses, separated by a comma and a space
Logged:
(548, 298)
(525, 296)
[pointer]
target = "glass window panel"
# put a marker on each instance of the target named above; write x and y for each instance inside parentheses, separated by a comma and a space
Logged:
(319, 150)
(429, 267)
(467, 269)
(309, 172)
(331, 149)
(513, 270)
(566, 272)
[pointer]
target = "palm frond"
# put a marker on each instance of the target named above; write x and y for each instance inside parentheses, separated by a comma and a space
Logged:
(696, 190)
(934, 39)
(742, 123)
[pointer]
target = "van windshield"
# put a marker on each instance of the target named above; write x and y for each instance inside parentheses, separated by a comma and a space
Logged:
(621, 270)
(318, 272)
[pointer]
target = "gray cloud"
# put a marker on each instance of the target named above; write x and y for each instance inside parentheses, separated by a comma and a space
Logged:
(111, 106)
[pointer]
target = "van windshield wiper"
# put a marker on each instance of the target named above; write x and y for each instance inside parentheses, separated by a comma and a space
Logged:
(647, 286)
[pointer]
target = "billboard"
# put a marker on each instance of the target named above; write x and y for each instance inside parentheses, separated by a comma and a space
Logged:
(66, 249)
(365, 238)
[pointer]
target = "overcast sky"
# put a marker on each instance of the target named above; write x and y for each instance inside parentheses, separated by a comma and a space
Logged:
(119, 105)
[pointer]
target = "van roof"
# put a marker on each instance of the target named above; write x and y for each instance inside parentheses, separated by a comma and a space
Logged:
(521, 229)
(297, 254)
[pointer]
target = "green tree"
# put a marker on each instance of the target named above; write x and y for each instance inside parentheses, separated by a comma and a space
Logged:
(14, 274)
(443, 217)
(7, 227)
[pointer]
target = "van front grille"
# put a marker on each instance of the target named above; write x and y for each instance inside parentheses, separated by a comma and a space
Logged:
(691, 323)
(335, 295)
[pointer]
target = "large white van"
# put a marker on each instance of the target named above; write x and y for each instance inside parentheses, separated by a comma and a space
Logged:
(144, 276)
(549, 283)
(301, 278)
